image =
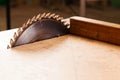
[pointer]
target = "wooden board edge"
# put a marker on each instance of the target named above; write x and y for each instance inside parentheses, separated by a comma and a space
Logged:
(95, 29)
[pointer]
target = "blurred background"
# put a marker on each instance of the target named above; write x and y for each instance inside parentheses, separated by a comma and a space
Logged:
(21, 10)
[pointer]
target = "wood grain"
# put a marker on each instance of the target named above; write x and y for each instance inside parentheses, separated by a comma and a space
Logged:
(67, 57)
(95, 29)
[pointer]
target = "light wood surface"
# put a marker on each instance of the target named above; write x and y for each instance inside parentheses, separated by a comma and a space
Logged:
(95, 29)
(68, 57)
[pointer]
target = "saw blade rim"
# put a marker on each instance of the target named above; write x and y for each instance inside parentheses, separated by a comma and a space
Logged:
(30, 22)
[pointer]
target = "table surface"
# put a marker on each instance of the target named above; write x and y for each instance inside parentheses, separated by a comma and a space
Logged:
(68, 57)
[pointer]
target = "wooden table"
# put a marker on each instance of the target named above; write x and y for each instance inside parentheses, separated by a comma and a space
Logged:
(67, 57)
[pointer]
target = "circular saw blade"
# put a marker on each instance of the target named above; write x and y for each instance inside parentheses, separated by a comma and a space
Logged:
(43, 26)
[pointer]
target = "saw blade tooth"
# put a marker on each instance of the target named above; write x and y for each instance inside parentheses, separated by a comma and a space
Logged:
(59, 18)
(15, 36)
(11, 41)
(28, 22)
(56, 16)
(24, 27)
(38, 16)
(68, 26)
(47, 15)
(43, 15)
(35, 18)
(52, 15)
(63, 21)
(19, 31)
(32, 20)
(8, 47)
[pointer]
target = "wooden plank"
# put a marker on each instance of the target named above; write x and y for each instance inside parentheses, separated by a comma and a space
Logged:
(95, 29)
(68, 57)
